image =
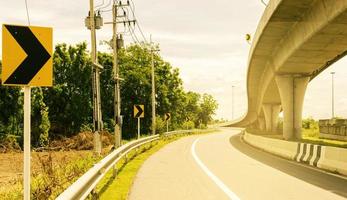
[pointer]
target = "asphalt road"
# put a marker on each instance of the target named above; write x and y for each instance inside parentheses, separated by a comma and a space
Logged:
(221, 166)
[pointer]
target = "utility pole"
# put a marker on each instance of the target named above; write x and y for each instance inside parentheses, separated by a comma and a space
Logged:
(332, 96)
(117, 117)
(93, 23)
(117, 42)
(153, 90)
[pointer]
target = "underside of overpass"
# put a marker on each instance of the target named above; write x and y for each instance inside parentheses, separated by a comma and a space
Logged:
(294, 42)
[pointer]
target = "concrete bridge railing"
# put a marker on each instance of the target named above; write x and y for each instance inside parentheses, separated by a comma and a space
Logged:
(333, 129)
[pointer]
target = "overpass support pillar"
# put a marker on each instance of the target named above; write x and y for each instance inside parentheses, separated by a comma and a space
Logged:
(276, 109)
(271, 112)
(292, 90)
(261, 123)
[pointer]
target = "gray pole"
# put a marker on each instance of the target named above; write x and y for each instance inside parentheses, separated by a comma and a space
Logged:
(332, 95)
(138, 128)
(95, 80)
(117, 128)
(232, 102)
(153, 92)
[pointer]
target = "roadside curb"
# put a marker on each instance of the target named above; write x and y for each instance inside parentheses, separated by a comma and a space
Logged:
(325, 157)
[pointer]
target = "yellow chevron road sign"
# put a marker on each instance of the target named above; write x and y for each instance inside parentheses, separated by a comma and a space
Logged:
(27, 55)
(167, 116)
(139, 111)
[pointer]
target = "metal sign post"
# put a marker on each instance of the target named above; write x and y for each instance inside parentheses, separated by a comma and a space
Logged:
(138, 128)
(32, 67)
(167, 126)
(27, 110)
(167, 118)
(139, 112)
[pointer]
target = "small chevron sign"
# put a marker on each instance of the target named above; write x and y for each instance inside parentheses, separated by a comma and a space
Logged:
(167, 116)
(139, 111)
(27, 55)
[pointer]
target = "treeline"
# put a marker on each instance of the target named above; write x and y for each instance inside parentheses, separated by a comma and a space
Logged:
(66, 108)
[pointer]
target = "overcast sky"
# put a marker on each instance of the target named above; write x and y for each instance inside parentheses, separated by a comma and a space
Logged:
(204, 39)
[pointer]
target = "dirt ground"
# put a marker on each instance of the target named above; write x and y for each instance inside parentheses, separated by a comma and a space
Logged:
(11, 164)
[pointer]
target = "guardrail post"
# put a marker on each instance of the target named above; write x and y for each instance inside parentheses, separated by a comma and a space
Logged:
(126, 158)
(94, 194)
(115, 171)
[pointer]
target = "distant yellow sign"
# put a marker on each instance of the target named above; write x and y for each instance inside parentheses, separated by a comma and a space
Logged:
(139, 111)
(167, 116)
(27, 55)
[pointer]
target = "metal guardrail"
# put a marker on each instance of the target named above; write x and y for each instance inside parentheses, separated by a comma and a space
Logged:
(81, 188)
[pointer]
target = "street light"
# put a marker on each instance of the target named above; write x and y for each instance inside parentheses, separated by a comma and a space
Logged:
(332, 95)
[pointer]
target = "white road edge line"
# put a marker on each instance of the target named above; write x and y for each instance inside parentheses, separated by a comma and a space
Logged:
(215, 179)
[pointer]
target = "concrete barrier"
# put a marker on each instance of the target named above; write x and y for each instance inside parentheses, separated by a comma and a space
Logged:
(325, 157)
(334, 159)
(278, 147)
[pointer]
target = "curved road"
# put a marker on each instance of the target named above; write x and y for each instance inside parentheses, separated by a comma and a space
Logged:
(221, 166)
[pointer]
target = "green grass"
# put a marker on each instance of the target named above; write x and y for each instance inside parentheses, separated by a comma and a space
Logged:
(312, 136)
(308, 136)
(118, 188)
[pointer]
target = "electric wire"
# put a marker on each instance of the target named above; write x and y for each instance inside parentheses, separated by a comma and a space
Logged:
(105, 6)
(26, 7)
(131, 30)
(100, 5)
(128, 29)
(137, 22)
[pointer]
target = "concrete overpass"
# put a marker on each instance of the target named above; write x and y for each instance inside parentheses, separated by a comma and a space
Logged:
(294, 42)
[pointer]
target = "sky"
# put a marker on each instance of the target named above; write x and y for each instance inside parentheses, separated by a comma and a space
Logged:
(204, 39)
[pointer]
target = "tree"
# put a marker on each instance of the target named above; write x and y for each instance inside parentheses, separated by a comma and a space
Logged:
(70, 99)
(11, 115)
(40, 121)
(66, 108)
(135, 68)
(208, 107)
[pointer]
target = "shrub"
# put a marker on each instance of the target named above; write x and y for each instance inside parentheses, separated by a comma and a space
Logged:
(188, 125)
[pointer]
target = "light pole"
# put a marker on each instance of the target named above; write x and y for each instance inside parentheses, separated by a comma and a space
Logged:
(232, 102)
(332, 95)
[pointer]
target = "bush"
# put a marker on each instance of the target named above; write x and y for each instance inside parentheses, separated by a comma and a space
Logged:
(86, 127)
(188, 125)
(310, 123)
(9, 143)
(160, 125)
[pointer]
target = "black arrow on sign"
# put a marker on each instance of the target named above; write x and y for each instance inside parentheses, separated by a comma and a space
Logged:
(140, 111)
(167, 116)
(37, 56)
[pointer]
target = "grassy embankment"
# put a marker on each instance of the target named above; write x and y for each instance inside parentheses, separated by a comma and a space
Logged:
(311, 135)
(53, 172)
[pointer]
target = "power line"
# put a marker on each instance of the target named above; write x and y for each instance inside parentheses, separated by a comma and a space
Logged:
(132, 31)
(103, 2)
(132, 8)
(107, 5)
(26, 7)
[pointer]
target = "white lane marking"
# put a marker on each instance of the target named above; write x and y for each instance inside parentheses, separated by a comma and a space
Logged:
(215, 179)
